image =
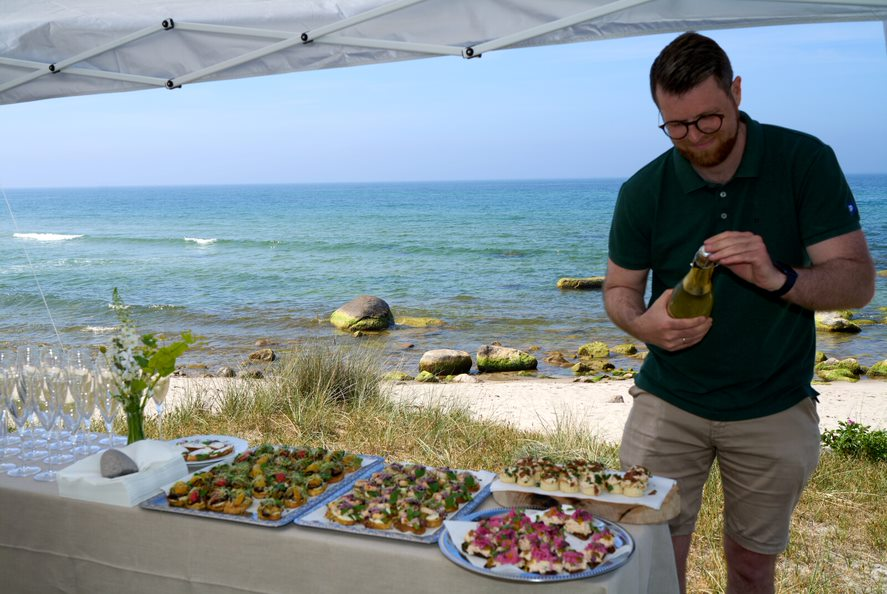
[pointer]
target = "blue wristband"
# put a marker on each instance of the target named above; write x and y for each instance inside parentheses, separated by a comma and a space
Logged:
(791, 275)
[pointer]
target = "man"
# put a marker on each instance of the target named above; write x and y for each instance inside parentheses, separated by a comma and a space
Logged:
(774, 211)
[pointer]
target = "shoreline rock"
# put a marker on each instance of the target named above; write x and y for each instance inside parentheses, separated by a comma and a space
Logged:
(581, 284)
(364, 313)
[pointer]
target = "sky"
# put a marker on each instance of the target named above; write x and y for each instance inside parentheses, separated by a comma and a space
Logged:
(579, 110)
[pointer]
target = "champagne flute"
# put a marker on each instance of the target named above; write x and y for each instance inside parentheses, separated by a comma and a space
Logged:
(82, 377)
(19, 408)
(105, 401)
(30, 382)
(48, 401)
(7, 383)
(158, 395)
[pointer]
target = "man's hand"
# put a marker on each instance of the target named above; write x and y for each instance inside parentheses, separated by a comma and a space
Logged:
(624, 300)
(746, 256)
(671, 334)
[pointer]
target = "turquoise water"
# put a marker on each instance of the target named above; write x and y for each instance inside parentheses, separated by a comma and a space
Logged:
(236, 264)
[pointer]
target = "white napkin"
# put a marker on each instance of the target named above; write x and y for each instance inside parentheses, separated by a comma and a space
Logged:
(159, 462)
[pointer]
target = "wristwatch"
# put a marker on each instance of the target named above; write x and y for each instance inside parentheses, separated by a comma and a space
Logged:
(791, 275)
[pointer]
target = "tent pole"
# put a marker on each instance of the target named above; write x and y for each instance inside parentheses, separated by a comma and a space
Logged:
(553, 26)
(44, 69)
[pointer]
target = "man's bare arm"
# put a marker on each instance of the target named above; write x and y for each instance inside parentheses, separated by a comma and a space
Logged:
(841, 273)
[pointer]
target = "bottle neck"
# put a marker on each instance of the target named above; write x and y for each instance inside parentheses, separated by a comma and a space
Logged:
(698, 280)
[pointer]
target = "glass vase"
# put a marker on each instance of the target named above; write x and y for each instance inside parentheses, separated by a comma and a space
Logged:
(135, 425)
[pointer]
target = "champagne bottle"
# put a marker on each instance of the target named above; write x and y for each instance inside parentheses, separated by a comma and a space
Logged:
(693, 296)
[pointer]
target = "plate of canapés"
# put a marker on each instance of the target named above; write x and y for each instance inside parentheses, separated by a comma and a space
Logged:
(402, 501)
(555, 544)
(200, 451)
(268, 485)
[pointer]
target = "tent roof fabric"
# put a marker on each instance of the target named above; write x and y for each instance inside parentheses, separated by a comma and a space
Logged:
(54, 48)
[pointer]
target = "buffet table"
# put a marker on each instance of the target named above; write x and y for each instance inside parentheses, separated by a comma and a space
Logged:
(54, 544)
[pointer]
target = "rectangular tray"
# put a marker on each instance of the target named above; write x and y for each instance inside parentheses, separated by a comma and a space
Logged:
(159, 503)
(316, 518)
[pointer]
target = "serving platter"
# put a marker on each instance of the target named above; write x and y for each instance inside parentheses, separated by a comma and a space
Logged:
(161, 501)
(454, 532)
(653, 497)
(238, 445)
(317, 517)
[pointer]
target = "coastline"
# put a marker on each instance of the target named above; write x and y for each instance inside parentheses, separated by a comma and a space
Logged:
(547, 404)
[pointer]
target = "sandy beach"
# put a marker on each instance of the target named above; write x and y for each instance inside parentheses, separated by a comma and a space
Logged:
(544, 404)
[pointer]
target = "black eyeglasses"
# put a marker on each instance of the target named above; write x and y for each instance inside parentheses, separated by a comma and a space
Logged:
(707, 124)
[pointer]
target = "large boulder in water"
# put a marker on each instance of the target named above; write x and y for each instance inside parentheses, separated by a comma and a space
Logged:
(363, 313)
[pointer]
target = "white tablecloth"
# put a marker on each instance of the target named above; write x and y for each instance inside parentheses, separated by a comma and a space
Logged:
(53, 544)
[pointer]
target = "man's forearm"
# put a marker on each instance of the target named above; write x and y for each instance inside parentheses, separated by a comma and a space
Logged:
(835, 284)
(624, 305)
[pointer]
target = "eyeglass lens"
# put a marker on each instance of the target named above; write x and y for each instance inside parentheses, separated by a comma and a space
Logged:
(707, 124)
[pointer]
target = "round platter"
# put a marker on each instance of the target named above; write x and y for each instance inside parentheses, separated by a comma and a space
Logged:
(453, 552)
(240, 445)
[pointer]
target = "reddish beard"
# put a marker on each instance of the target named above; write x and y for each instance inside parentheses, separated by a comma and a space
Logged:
(713, 156)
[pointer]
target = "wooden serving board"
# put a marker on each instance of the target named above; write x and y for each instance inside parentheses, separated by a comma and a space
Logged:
(626, 513)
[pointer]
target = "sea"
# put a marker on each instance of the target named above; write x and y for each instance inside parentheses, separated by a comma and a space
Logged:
(237, 265)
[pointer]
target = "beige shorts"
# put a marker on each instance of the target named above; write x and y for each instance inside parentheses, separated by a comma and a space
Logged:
(765, 464)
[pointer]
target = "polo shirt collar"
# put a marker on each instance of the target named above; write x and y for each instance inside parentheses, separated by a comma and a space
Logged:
(748, 167)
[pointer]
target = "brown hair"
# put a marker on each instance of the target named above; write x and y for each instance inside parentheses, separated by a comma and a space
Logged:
(688, 61)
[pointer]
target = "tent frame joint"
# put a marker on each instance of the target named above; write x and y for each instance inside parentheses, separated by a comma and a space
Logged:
(168, 24)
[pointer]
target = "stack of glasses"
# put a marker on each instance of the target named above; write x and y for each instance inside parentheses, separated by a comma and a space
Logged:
(51, 395)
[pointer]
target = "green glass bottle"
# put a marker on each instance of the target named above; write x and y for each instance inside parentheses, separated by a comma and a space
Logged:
(693, 296)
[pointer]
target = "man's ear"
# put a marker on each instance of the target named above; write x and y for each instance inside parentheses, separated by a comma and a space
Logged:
(736, 90)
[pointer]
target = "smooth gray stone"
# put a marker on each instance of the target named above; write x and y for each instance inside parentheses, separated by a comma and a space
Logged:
(115, 463)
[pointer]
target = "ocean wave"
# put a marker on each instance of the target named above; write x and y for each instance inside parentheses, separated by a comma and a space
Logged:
(99, 329)
(201, 240)
(165, 306)
(45, 236)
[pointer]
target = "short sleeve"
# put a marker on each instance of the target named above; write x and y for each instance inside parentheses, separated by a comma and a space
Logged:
(629, 243)
(827, 208)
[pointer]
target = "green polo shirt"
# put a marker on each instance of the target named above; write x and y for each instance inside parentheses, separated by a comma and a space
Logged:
(757, 359)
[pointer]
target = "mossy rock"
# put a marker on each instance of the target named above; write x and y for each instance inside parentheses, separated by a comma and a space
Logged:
(819, 357)
(623, 373)
(418, 322)
(839, 370)
(837, 375)
(625, 349)
(878, 370)
(397, 376)
(836, 321)
(557, 359)
(427, 377)
(581, 284)
(493, 358)
(597, 350)
(364, 313)
(865, 322)
(849, 363)
(589, 367)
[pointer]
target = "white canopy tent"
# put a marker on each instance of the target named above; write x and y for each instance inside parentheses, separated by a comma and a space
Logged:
(55, 48)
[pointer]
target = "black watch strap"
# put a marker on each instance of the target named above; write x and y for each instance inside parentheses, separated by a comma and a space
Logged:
(791, 275)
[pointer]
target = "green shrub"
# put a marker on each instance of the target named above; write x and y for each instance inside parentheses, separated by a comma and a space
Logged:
(857, 441)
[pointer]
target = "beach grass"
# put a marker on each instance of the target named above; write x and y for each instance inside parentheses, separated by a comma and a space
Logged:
(335, 398)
